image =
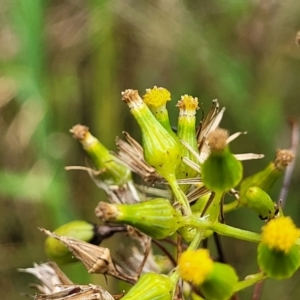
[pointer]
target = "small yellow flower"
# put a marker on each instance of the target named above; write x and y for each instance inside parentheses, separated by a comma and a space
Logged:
(157, 96)
(188, 104)
(280, 234)
(195, 266)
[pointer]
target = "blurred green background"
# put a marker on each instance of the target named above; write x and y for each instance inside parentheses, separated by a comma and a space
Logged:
(66, 62)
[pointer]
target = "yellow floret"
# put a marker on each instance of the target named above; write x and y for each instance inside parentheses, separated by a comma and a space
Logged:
(157, 96)
(195, 266)
(280, 234)
(188, 103)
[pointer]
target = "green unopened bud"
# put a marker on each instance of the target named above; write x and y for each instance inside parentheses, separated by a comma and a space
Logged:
(221, 171)
(261, 202)
(156, 218)
(187, 132)
(161, 149)
(266, 178)
(156, 99)
(151, 286)
(57, 251)
(220, 284)
(113, 172)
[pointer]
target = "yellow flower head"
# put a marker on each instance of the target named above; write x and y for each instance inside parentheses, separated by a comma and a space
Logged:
(280, 234)
(157, 96)
(187, 104)
(195, 266)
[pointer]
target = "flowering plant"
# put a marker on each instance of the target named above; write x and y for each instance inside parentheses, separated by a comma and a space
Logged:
(192, 179)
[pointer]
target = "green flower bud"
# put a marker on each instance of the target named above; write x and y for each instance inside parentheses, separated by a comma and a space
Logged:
(112, 171)
(156, 99)
(261, 202)
(151, 286)
(186, 132)
(161, 150)
(220, 283)
(156, 218)
(278, 264)
(266, 178)
(57, 251)
(221, 171)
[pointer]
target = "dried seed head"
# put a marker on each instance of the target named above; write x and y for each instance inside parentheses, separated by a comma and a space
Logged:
(79, 132)
(217, 139)
(112, 172)
(106, 211)
(132, 98)
(283, 158)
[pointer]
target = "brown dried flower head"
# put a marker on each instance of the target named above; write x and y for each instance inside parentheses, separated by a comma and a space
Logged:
(283, 158)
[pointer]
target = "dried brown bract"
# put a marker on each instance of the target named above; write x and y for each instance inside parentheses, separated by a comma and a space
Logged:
(78, 292)
(131, 154)
(51, 277)
(95, 258)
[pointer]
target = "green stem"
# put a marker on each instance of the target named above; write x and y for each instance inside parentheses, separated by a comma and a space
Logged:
(237, 233)
(222, 229)
(230, 206)
(251, 279)
(179, 195)
(214, 209)
(197, 239)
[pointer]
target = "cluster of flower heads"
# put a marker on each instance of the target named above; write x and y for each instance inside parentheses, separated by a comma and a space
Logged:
(187, 174)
